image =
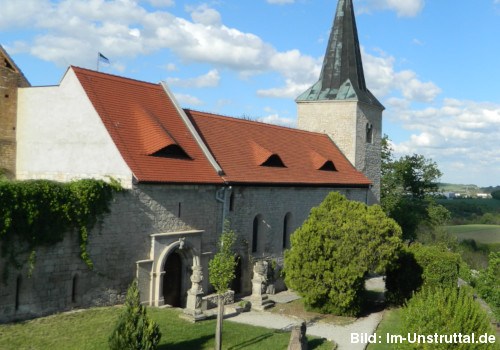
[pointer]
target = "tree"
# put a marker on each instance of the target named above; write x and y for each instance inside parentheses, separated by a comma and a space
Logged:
(407, 186)
(221, 273)
(444, 312)
(421, 266)
(134, 330)
(335, 249)
(496, 194)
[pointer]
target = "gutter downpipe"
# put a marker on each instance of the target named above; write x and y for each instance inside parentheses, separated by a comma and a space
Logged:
(221, 196)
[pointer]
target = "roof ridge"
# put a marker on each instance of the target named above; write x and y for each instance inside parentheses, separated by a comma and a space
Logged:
(240, 120)
(114, 76)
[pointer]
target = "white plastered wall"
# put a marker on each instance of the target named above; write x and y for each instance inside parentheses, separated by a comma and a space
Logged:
(61, 137)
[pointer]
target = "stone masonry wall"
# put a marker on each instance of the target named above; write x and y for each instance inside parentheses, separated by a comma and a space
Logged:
(345, 122)
(9, 82)
(61, 280)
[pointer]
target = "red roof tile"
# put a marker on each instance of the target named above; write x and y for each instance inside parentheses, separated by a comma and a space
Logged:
(241, 146)
(141, 120)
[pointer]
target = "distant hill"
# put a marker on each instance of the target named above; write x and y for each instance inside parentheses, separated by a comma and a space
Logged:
(470, 190)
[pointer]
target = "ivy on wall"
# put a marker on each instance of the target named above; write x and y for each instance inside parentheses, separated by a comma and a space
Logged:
(39, 213)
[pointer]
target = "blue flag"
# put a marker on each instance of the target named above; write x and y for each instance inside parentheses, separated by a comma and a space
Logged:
(103, 58)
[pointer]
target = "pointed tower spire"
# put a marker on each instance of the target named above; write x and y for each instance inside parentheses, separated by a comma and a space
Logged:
(342, 76)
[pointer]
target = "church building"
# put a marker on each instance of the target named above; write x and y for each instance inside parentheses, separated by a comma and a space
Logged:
(184, 173)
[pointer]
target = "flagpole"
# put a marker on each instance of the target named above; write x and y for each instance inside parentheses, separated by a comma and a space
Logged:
(98, 61)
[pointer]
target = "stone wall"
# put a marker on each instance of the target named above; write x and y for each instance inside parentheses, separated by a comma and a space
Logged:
(10, 80)
(61, 280)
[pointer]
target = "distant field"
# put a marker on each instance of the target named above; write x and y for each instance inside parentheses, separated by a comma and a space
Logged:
(479, 233)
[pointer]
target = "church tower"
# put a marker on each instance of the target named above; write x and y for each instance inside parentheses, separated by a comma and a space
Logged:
(341, 106)
(11, 78)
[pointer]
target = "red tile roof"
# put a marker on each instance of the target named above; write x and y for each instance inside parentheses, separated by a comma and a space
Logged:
(241, 146)
(141, 120)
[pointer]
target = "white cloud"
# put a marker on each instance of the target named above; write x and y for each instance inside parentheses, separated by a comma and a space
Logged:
(290, 90)
(161, 3)
(281, 2)
(210, 79)
(382, 80)
(205, 15)
(277, 120)
(456, 133)
(406, 8)
(170, 67)
(188, 100)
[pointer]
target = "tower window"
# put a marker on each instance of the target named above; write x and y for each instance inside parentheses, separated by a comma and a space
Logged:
(369, 133)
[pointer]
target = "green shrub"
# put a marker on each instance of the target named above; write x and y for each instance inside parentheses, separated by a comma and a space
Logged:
(488, 284)
(334, 250)
(419, 265)
(134, 330)
(444, 312)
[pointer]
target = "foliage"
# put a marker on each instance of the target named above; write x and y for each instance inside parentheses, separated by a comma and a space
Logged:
(421, 266)
(444, 311)
(334, 250)
(407, 186)
(90, 329)
(221, 272)
(39, 213)
(135, 330)
(221, 267)
(488, 284)
(496, 194)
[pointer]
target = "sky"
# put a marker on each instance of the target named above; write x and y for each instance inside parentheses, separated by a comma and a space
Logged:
(433, 64)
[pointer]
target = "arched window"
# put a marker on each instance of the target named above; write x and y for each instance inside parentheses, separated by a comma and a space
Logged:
(255, 234)
(369, 133)
(18, 292)
(74, 286)
(286, 230)
(231, 201)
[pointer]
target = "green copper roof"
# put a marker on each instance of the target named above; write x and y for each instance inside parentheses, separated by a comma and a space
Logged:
(342, 76)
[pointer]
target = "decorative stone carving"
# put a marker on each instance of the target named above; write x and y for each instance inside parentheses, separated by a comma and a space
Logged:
(259, 298)
(194, 298)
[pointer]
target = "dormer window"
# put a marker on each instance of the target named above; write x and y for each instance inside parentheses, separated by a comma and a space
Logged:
(328, 166)
(171, 151)
(274, 161)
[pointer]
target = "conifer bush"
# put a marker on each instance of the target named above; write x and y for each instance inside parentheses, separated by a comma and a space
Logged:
(488, 284)
(333, 251)
(419, 266)
(134, 330)
(444, 311)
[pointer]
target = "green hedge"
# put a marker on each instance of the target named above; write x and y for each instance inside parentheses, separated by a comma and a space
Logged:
(418, 266)
(443, 312)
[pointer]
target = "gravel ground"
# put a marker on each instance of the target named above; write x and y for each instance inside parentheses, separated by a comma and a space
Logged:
(339, 334)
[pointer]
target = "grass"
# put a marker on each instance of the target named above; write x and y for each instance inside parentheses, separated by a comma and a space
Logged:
(479, 233)
(389, 325)
(90, 329)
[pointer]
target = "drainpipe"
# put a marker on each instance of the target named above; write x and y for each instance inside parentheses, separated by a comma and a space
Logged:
(221, 196)
(367, 193)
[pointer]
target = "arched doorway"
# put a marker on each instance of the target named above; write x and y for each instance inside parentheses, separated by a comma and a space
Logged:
(172, 280)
